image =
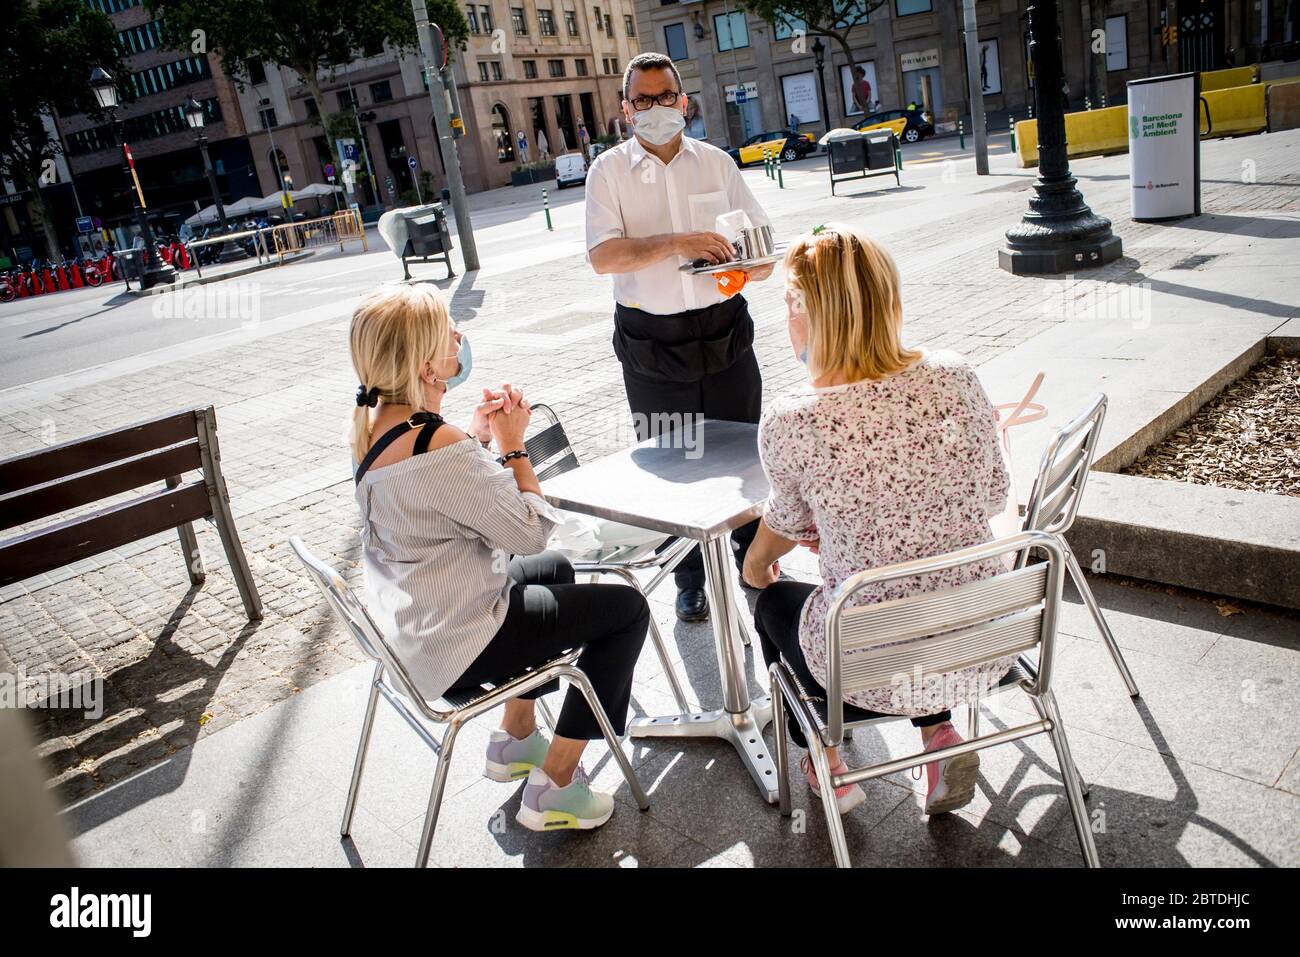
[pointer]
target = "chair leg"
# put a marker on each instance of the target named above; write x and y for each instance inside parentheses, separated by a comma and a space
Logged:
(1090, 600)
(359, 763)
(612, 739)
(435, 795)
(781, 740)
(973, 726)
(1046, 705)
(547, 717)
(834, 824)
(656, 638)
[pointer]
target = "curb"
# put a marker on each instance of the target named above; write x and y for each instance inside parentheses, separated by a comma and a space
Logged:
(187, 280)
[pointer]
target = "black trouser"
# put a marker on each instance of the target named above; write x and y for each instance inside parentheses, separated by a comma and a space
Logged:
(733, 393)
(776, 617)
(549, 615)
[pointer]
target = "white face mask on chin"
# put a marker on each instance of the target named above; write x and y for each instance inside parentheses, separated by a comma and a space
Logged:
(659, 124)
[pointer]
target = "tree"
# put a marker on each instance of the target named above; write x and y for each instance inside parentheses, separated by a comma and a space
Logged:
(45, 69)
(832, 19)
(307, 36)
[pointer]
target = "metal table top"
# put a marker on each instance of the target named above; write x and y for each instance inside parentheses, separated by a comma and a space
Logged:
(698, 485)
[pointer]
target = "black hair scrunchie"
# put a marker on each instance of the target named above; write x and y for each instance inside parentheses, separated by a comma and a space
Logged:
(370, 398)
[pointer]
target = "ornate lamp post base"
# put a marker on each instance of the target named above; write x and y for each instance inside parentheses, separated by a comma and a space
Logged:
(1059, 232)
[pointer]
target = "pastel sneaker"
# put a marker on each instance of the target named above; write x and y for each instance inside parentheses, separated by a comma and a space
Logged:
(846, 798)
(575, 806)
(951, 781)
(510, 758)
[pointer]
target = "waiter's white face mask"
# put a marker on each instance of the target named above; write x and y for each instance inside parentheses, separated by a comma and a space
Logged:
(659, 124)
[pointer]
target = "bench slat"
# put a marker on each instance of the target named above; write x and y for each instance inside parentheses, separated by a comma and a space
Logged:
(67, 542)
(86, 487)
(68, 458)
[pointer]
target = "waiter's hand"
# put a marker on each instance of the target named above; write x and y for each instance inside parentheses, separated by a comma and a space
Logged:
(704, 245)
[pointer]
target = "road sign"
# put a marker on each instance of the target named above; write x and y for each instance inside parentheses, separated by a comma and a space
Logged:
(85, 224)
(410, 161)
(329, 170)
(740, 95)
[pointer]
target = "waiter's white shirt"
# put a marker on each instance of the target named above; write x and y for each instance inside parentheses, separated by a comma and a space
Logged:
(633, 194)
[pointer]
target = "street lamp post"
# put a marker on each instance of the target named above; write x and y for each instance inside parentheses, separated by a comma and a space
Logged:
(155, 270)
(1059, 233)
(819, 54)
(196, 116)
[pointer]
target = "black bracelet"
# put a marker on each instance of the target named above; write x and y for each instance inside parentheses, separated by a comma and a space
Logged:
(516, 454)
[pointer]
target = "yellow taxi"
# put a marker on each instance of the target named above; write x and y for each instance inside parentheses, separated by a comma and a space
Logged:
(787, 144)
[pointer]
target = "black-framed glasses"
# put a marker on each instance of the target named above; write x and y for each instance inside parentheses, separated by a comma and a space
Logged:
(667, 98)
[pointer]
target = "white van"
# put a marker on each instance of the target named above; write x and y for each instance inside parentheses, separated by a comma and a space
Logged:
(570, 168)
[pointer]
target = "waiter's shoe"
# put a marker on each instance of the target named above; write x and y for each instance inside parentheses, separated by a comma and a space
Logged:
(692, 605)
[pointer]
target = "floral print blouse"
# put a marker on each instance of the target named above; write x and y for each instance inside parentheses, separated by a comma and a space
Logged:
(885, 471)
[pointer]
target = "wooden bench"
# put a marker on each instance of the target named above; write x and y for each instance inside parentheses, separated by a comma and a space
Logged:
(58, 478)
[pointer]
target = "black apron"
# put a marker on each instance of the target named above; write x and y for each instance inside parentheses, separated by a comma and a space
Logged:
(686, 346)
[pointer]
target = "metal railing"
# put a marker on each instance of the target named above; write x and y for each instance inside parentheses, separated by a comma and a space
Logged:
(333, 230)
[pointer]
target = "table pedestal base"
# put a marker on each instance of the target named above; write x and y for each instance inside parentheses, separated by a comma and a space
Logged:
(743, 729)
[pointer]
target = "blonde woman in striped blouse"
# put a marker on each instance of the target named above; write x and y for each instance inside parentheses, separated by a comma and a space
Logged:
(454, 541)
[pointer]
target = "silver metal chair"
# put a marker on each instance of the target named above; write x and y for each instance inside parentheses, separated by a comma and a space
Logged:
(954, 628)
(1054, 503)
(391, 680)
(551, 454)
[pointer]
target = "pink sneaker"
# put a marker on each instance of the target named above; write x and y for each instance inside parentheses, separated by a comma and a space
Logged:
(951, 781)
(846, 798)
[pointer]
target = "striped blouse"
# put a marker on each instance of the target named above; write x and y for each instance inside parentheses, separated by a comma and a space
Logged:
(438, 531)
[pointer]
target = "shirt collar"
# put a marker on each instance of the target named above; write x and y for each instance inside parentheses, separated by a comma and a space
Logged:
(636, 152)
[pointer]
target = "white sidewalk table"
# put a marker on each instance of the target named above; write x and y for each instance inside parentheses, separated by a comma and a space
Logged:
(700, 484)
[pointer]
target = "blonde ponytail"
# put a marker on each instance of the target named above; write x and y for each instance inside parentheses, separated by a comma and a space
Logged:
(395, 331)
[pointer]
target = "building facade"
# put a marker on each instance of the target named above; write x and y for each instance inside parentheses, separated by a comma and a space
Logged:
(914, 51)
(548, 67)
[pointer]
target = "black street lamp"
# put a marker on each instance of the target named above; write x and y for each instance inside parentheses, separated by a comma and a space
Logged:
(819, 54)
(155, 270)
(196, 116)
(1059, 233)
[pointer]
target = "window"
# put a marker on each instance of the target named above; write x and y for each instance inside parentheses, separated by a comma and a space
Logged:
(731, 31)
(485, 18)
(313, 110)
(347, 100)
(496, 70)
(571, 23)
(530, 69)
(256, 72)
(381, 92)
(629, 25)
(580, 67)
(471, 17)
(267, 116)
(609, 29)
(520, 21)
(556, 67)
(600, 23)
(482, 71)
(908, 7)
(546, 22)
(675, 41)
(787, 26)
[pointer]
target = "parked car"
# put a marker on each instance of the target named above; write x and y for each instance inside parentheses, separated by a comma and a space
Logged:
(911, 126)
(788, 144)
(570, 168)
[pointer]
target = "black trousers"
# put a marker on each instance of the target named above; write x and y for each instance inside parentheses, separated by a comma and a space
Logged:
(734, 394)
(776, 616)
(549, 615)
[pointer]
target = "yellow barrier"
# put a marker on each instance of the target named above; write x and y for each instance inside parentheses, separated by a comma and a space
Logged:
(1087, 133)
(1238, 110)
(330, 230)
(1225, 79)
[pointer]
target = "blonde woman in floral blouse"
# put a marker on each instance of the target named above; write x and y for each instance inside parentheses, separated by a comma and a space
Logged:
(888, 454)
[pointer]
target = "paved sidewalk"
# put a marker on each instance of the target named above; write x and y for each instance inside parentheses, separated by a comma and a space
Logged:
(181, 664)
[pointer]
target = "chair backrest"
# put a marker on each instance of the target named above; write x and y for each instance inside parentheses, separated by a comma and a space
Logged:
(946, 630)
(359, 623)
(1063, 471)
(59, 478)
(549, 450)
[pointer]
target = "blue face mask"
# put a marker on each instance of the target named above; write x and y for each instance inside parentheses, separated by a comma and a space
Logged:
(803, 356)
(465, 357)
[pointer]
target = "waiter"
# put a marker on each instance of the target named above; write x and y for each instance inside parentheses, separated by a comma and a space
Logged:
(685, 345)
